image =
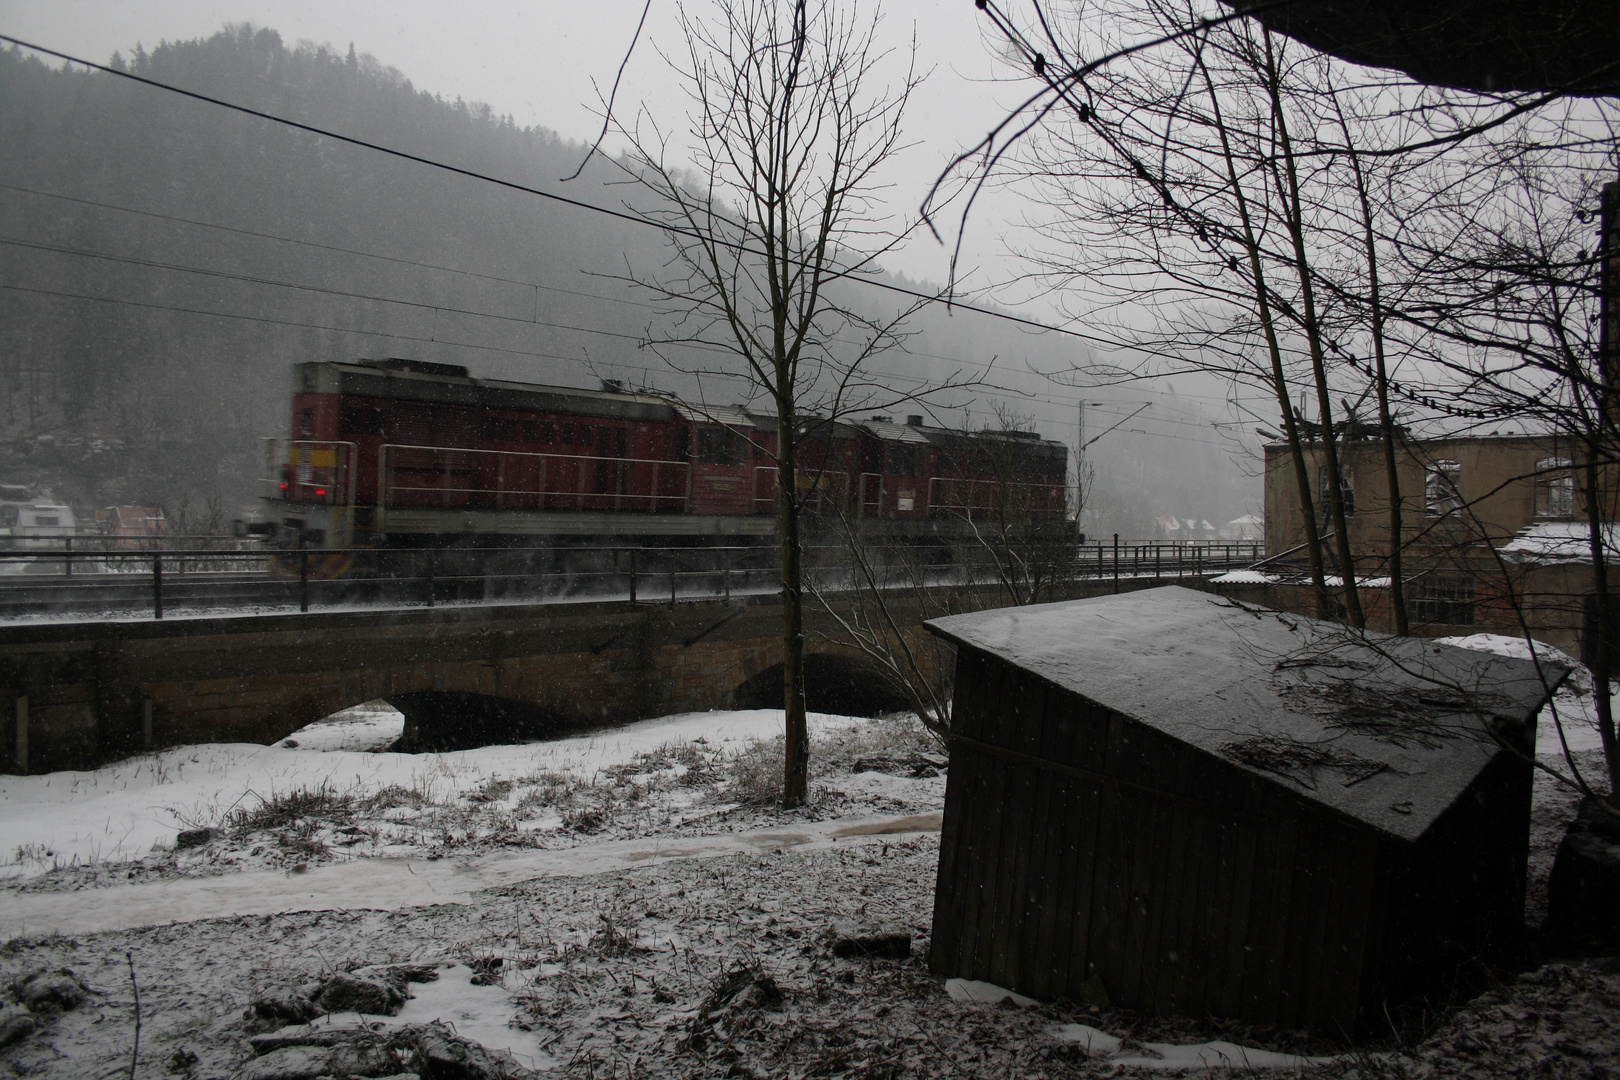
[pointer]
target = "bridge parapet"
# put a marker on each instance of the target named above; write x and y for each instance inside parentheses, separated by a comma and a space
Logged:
(78, 694)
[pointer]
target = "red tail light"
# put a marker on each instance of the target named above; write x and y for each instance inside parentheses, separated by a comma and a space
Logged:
(320, 491)
(284, 486)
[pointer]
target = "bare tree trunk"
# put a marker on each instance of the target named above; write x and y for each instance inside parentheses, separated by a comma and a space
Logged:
(1386, 425)
(796, 760)
(1279, 377)
(1294, 217)
(1599, 659)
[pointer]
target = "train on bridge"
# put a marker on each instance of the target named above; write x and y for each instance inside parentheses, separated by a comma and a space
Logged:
(405, 453)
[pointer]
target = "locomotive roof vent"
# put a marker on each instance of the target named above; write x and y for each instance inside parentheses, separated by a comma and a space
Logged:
(417, 367)
(883, 419)
(914, 421)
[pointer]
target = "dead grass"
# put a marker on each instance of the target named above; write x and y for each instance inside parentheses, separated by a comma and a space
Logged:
(756, 769)
(394, 796)
(291, 808)
(492, 790)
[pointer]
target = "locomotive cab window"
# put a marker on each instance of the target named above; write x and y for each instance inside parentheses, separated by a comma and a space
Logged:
(360, 420)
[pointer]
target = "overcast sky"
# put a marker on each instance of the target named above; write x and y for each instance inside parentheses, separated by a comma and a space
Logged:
(537, 61)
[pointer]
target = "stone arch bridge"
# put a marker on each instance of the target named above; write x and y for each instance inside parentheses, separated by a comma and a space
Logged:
(82, 693)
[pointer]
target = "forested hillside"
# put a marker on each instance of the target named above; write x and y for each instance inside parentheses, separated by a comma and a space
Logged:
(164, 261)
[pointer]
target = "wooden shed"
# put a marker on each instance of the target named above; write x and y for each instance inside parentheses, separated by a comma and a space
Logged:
(1210, 809)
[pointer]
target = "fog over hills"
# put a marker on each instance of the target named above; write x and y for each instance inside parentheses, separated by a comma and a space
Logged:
(164, 262)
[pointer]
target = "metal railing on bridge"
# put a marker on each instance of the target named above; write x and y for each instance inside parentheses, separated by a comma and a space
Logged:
(165, 576)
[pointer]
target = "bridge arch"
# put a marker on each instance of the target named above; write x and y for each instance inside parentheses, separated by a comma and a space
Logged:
(844, 683)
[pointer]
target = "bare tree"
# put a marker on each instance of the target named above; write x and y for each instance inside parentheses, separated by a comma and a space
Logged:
(768, 215)
(1231, 201)
(1002, 529)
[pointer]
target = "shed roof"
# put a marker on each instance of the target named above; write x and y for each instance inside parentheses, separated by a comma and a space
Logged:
(1387, 731)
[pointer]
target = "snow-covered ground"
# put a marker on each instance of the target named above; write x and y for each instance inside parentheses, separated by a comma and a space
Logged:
(587, 902)
(329, 793)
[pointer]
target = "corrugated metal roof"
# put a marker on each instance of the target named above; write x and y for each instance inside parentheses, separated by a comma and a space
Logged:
(1377, 728)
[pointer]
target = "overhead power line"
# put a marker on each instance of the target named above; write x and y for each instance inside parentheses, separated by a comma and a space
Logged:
(621, 215)
(63, 294)
(290, 240)
(438, 308)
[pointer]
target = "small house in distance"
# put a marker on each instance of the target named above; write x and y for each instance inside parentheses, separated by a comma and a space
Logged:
(1204, 808)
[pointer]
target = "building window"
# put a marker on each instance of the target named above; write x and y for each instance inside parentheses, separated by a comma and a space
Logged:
(1441, 486)
(1448, 601)
(1555, 488)
(1322, 479)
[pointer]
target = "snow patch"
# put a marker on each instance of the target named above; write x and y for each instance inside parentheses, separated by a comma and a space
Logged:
(975, 990)
(470, 1009)
(1247, 577)
(1110, 1050)
(1571, 716)
(1555, 543)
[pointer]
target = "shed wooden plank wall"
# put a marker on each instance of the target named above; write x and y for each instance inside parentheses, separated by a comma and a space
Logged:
(1079, 843)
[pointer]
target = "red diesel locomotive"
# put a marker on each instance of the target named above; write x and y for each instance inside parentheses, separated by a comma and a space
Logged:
(404, 453)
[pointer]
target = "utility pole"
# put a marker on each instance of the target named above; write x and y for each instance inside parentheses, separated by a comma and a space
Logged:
(1080, 473)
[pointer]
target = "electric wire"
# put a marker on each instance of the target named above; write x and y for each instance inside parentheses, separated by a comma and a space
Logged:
(663, 227)
(529, 353)
(446, 309)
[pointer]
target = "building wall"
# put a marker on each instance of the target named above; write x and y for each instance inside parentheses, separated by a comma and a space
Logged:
(1495, 484)
(1455, 584)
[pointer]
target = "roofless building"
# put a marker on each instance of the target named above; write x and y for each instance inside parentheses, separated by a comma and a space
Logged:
(1208, 809)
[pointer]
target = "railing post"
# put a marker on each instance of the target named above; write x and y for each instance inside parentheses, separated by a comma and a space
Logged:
(725, 572)
(303, 580)
(633, 553)
(672, 583)
(1116, 563)
(67, 551)
(430, 577)
(157, 585)
(1158, 561)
